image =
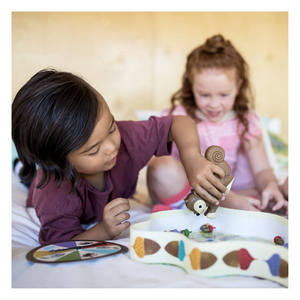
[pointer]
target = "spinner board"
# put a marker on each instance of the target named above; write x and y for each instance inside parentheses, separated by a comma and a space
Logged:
(74, 251)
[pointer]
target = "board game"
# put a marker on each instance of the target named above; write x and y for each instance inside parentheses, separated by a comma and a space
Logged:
(76, 250)
(241, 243)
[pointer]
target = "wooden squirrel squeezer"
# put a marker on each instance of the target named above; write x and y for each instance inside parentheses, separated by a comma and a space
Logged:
(193, 201)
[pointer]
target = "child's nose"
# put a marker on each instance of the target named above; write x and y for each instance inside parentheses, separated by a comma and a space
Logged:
(110, 148)
(214, 102)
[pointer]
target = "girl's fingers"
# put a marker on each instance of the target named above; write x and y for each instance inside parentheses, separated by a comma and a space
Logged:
(254, 202)
(212, 190)
(119, 223)
(218, 170)
(121, 218)
(205, 195)
(123, 226)
(218, 185)
(117, 205)
(265, 198)
(116, 210)
(119, 228)
(280, 204)
(215, 187)
(276, 196)
(116, 202)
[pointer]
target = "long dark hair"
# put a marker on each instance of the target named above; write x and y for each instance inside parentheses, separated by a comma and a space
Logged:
(215, 53)
(53, 114)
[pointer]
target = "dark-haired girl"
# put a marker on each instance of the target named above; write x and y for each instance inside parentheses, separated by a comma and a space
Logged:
(88, 163)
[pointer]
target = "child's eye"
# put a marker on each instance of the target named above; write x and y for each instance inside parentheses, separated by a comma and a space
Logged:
(94, 153)
(224, 95)
(112, 130)
(204, 95)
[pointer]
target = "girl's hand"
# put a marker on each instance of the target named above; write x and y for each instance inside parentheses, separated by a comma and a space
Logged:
(237, 201)
(272, 192)
(114, 215)
(249, 203)
(284, 189)
(200, 173)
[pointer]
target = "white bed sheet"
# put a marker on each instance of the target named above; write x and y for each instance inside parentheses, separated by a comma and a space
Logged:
(117, 271)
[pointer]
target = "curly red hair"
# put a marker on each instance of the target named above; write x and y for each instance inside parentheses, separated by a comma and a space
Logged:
(215, 53)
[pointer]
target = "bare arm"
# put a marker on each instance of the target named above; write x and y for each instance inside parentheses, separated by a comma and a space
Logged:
(262, 171)
(265, 179)
(237, 201)
(199, 171)
(97, 232)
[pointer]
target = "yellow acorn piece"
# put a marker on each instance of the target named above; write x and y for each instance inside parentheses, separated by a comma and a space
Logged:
(195, 257)
(139, 247)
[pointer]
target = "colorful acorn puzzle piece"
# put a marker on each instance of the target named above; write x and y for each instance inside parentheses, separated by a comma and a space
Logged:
(144, 247)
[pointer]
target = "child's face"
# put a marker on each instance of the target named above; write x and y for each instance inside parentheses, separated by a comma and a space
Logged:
(215, 92)
(99, 153)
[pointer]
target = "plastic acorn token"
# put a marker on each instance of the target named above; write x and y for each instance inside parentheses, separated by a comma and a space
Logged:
(211, 228)
(186, 232)
(278, 240)
(207, 228)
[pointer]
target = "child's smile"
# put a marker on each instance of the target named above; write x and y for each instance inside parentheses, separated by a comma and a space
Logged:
(213, 114)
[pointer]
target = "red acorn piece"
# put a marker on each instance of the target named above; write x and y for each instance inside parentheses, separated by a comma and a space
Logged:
(278, 240)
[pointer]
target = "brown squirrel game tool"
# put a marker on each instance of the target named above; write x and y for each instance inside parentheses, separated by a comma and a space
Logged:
(193, 201)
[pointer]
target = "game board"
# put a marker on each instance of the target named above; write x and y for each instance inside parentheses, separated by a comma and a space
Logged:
(242, 243)
(74, 251)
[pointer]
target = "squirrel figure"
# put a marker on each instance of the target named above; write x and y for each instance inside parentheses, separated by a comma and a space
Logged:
(193, 201)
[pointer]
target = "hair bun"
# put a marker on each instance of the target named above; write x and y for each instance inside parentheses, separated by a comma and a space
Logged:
(214, 44)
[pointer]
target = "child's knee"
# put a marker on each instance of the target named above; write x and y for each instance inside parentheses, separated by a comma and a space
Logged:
(161, 168)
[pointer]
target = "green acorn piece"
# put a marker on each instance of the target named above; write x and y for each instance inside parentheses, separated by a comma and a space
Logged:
(186, 232)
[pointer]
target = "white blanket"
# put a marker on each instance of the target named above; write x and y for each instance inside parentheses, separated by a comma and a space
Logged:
(117, 271)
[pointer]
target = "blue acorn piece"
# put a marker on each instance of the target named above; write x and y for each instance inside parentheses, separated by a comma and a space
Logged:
(176, 248)
(274, 264)
(181, 252)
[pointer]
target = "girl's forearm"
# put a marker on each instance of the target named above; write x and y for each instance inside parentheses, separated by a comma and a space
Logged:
(264, 178)
(97, 232)
(231, 201)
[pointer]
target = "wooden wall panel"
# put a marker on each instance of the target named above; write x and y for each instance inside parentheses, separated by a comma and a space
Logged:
(136, 59)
